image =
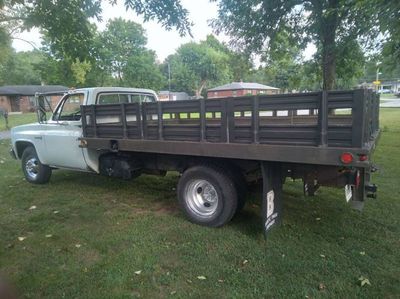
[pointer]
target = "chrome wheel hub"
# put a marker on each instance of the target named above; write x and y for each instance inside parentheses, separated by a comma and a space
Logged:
(32, 167)
(201, 197)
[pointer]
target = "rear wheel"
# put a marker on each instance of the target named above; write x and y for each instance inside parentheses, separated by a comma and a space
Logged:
(35, 172)
(207, 196)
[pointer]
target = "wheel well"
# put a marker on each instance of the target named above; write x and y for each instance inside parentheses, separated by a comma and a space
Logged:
(21, 146)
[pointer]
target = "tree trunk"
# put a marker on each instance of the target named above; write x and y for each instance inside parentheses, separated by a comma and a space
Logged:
(329, 21)
(328, 64)
(200, 89)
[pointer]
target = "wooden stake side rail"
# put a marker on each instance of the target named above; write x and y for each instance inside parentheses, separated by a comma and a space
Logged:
(335, 119)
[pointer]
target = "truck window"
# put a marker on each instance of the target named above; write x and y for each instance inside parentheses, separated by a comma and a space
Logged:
(117, 98)
(70, 109)
(112, 98)
(146, 98)
(142, 98)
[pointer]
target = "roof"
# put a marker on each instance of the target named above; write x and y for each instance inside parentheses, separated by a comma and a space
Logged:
(113, 89)
(242, 85)
(166, 92)
(30, 90)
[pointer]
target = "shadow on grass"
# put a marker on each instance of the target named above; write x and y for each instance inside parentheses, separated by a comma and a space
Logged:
(157, 195)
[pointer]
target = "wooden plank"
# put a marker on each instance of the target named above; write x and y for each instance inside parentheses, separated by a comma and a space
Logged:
(323, 118)
(255, 124)
(123, 120)
(202, 120)
(358, 125)
(160, 120)
(93, 112)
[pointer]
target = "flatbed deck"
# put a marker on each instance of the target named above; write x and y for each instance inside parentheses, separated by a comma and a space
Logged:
(309, 128)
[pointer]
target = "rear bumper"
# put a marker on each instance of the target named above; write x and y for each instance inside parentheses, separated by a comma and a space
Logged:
(12, 154)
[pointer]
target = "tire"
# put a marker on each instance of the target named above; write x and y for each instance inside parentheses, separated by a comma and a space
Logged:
(241, 188)
(34, 171)
(207, 196)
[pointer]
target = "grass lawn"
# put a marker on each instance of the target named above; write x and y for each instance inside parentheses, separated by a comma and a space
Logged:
(17, 119)
(95, 237)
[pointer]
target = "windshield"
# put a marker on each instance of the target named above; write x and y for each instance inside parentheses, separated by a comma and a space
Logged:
(70, 108)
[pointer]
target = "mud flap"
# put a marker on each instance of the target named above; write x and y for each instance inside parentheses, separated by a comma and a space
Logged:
(272, 195)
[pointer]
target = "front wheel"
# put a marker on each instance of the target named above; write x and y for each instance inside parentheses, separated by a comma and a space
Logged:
(207, 196)
(35, 172)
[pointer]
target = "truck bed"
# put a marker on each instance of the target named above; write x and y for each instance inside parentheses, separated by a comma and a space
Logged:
(310, 128)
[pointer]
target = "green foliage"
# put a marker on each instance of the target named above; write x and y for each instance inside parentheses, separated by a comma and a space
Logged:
(121, 40)
(20, 68)
(239, 62)
(118, 56)
(169, 13)
(67, 23)
(79, 70)
(256, 25)
(141, 71)
(196, 66)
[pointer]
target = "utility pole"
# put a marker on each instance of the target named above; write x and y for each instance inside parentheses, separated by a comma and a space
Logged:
(169, 81)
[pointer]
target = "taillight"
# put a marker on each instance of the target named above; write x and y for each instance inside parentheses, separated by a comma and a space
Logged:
(346, 158)
(363, 157)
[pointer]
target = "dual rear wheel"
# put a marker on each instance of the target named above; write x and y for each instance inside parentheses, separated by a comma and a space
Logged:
(209, 196)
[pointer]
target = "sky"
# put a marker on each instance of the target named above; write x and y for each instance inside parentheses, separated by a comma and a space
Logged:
(163, 42)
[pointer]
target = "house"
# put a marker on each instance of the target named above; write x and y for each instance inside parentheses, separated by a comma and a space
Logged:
(165, 95)
(21, 98)
(237, 89)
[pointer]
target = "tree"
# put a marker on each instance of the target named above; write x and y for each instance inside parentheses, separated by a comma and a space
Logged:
(256, 23)
(196, 66)
(67, 23)
(121, 40)
(142, 71)
(239, 62)
(388, 13)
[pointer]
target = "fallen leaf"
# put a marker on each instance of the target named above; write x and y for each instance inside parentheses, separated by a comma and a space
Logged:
(321, 255)
(321, 286)
(201, 277)
(78, 245)
(173, 293)
(1, 161)
(189, 281)
(56, 212)
(363, 281)
(220, 280)
(138, 272)
(49, 236)
(362, 252)
(245, 262)
(32, 208)
(318, 219)
(21, 238)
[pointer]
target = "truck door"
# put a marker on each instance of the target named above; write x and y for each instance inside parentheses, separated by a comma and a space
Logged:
(62, 133)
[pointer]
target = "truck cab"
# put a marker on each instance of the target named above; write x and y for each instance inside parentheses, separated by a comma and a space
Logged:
(56, 140)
